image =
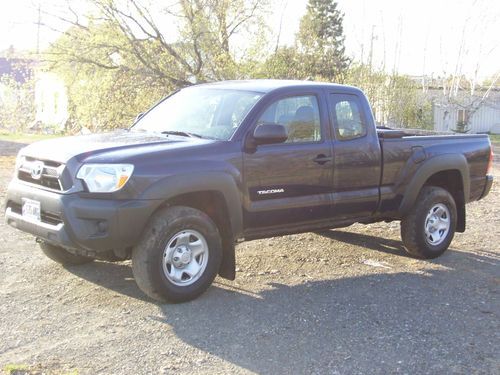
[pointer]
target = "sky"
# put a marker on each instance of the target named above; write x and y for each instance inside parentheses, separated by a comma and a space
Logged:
(412, 37)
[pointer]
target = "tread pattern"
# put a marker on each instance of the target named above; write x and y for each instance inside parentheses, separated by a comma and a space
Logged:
(412, 226)
(147, 255)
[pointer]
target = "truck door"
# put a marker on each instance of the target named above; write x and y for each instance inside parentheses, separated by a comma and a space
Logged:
(291, 182)
(356, 157)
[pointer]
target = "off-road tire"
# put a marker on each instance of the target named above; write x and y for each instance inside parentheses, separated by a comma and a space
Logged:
(147, 256)
(63, 256)
(413, 225)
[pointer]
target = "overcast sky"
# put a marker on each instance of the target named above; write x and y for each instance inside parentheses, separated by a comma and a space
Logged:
(415, 37)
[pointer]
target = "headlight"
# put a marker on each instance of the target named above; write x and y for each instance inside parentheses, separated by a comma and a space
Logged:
(105, 178)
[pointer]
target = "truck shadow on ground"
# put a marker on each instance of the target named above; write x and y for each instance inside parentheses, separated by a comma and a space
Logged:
(381, 323)
(383, 245)
(113, 276)
(438, 320)
(118, 276)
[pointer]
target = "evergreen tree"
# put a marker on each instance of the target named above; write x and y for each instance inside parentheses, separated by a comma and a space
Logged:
(321, 40)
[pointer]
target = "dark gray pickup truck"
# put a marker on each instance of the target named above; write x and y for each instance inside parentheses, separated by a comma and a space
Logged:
(215, 164)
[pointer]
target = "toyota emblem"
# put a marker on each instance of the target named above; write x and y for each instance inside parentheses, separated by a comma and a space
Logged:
(36, 170)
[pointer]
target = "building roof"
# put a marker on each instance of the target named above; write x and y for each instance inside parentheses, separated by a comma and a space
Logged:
(19, 69)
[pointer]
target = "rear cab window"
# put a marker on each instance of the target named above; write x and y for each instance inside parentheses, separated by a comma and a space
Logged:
(347, 117)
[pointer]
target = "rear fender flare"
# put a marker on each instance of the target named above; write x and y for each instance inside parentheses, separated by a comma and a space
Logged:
(430, 167)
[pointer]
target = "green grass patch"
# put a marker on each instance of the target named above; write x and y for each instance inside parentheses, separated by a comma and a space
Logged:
(26, 137)
(18, 369)
(494, 138)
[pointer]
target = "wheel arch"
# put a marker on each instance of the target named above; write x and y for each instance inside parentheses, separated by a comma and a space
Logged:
(450, 172)
(216, 195)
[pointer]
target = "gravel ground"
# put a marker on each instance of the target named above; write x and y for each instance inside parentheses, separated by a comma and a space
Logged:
(346, 301)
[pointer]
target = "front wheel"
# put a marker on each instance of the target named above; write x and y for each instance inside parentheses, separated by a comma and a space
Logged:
(178, 256)
(428, 229)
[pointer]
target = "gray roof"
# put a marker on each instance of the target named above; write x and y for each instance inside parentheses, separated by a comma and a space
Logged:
(19, 69)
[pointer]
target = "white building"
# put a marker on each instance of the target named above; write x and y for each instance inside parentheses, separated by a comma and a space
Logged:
(51, 101)
(481, 112)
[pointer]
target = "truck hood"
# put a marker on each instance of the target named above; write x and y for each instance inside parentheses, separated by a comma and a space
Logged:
(87, 146)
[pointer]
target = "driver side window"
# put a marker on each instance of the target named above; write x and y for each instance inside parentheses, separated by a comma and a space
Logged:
(299, 115)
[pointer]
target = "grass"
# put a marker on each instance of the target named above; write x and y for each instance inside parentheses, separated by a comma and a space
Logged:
(14, 369)
(26, 137)
(495, 138)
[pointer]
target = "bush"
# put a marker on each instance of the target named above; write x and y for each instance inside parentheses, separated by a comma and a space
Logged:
(17, 104)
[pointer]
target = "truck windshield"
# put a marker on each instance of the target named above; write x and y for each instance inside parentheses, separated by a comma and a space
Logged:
(200, 111)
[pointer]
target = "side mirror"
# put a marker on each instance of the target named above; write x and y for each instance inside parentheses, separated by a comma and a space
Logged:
(266, 134)
(138, 117)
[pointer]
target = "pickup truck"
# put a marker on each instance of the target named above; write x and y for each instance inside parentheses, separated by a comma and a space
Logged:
(215, 164)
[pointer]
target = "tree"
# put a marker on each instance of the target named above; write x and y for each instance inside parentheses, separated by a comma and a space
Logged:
(284, 63)
(396, 100)
(106, 87)
(462, 93)
(318, 52)
(465, 96)
(321, 41)
(17, 108)
(118, 59)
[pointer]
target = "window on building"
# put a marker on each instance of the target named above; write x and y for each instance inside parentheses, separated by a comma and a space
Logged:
(463, 116)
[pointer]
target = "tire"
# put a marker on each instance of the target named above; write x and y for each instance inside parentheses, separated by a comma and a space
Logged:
(427, 234)
(160, 265)
(62, 256)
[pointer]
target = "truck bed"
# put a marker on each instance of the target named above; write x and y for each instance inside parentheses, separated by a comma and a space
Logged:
(404, 150)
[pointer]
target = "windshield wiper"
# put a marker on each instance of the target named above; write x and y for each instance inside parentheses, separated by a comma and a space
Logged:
(182, 133)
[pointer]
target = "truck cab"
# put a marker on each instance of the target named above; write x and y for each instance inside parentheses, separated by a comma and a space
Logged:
(327, 170)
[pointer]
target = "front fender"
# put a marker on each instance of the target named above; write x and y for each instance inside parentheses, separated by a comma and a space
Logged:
(172, 186)
(430, 167)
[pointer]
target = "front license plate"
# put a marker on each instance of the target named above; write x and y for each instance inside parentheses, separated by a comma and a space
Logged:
(31, 209)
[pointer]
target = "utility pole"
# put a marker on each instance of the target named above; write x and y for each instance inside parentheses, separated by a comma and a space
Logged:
(370, 57)
(39, 23)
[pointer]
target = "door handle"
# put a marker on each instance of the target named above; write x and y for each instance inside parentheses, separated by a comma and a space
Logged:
(322, 159)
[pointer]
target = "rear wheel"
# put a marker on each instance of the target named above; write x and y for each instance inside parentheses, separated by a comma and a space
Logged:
(428, 229)
(63, 256)
(178, 256)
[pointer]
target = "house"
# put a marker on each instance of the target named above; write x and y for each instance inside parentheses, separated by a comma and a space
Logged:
(471, 113)
(16, 94)
(476, 112)
(17, 68)
(41, 95)
(51, 101)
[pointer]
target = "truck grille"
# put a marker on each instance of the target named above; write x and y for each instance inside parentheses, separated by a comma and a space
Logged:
(41, 172)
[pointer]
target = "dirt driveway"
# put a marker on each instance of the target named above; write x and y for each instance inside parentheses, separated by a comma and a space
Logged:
(347, 301)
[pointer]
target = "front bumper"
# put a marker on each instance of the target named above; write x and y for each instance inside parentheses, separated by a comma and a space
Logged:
(85, 225)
